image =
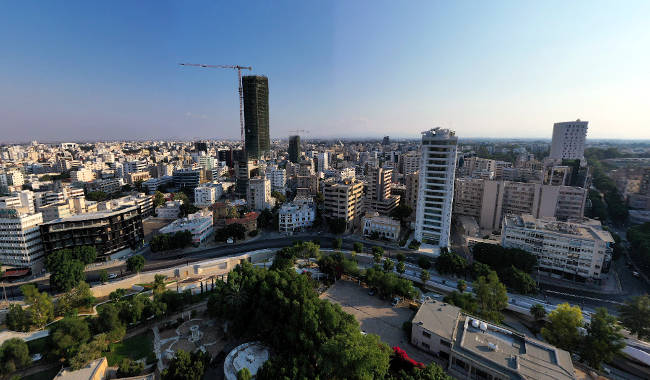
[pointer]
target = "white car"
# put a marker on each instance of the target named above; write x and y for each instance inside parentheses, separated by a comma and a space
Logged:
(112, 275)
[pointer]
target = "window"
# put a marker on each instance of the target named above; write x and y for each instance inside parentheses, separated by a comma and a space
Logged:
(445, 343)
(425, 345)
(426, 334)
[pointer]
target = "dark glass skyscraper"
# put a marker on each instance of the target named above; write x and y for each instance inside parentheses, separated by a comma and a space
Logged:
(294, 149)
(256, 115)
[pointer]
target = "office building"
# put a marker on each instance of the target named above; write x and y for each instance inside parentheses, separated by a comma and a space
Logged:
(343, 200)
(477, 349)
(294, 149)
(256, 115)
(187, 179)
(108, 231)
(436, 187)
(378, 196)
(489, 201)
(574, 250)
(569, 140)
(20, 238)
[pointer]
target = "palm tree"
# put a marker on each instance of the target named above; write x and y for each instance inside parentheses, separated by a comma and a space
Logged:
(424, 275)
(401, 267)
(538, 311)
(461, 285)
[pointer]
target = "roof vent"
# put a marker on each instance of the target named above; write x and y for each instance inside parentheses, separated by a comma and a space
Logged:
(475, 323)
(483, 326)
(492, 346)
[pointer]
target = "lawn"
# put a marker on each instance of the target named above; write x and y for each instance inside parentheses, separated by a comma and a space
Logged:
(136, 347)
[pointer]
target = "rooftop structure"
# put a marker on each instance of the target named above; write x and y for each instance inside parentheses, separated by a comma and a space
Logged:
(478, 349)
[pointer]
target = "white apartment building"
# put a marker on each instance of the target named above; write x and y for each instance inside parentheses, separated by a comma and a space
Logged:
(567, 249)
(258, 194)
(205, 196)
(381, 226)
(297, 215)
(436, 187)
(569, 140)
(199, 224)
(323, 161)
(20, 238)
(410, 162)
(278, 178)
(82, 175)
(26, 199)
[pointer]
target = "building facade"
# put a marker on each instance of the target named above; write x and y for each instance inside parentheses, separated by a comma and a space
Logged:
(343, 200)
(258, 195)
(256, 115)
(578, 250)
(569, 140)
(378, 226)
(108, 231)
(199, 224)
(296, 216)
(20, 238)
(436, 187)
(378, 196)
(294, 149)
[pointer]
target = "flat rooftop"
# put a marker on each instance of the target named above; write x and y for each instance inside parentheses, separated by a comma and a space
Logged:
(438, 317)
(587, 230)
(515, 355)
(94, 215)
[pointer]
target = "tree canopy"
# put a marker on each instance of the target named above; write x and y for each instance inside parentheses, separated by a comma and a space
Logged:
(603, 340)
(562, 327)
(635, 316)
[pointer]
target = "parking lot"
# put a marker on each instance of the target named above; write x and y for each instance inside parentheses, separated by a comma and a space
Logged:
(375, 316)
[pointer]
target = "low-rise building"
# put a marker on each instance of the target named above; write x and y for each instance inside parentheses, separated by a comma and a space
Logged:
(258, 194)
(170, 210)
(375, 225)
(108, 186)
(297, 215)
(477, 349)
(20, 238)
(95, 370)
(199, 224)
(55, 211)
(569, 249)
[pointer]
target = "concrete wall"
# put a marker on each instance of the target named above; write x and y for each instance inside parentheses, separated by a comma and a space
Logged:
(213, 267)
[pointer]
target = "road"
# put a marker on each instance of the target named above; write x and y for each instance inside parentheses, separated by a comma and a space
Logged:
(153, 262)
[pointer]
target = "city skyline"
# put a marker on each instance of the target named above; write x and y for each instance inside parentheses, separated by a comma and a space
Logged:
(110, 71)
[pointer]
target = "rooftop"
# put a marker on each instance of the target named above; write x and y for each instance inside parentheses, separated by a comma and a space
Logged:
(438, 317)
(94, 215)
(588, 229)
(89, 371)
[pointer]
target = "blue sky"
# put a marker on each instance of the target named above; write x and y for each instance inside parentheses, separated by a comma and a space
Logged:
(109, 70)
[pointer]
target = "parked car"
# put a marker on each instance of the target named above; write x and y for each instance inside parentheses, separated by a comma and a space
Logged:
(636, 274)
(112, 275)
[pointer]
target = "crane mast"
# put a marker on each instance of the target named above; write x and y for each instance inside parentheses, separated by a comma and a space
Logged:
(240, 88)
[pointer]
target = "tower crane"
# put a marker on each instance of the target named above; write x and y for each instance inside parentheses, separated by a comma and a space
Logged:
(239, 85)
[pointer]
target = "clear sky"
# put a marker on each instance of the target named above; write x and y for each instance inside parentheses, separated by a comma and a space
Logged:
(72, 70)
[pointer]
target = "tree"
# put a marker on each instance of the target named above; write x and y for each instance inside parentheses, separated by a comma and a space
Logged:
(135, 263)
(103, 276)
(491, 295)
(388, 265)
(377, 257)
(378, 250)
(66, 266)
(108, 318)
(354, 356)
(96, 196)
(562, 327)
(465, 301)
(79, 296)
(401, 212)
(14, 355)
(603, 340)
(451, 263)
(461, 285)
(424, 275)
(357, 247)
(41, 308)
(186, 366)
(158, 199)
(67, 335)
(635, 316)
(519, 280)
(89, 351)
(17, 318)
(244, 374)
(158, 284)
(401, 267)
(281, 198)
(538, 311)
(130, 368)
(265, 219)
(424, 262)
(338, 243)
(235, 230)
